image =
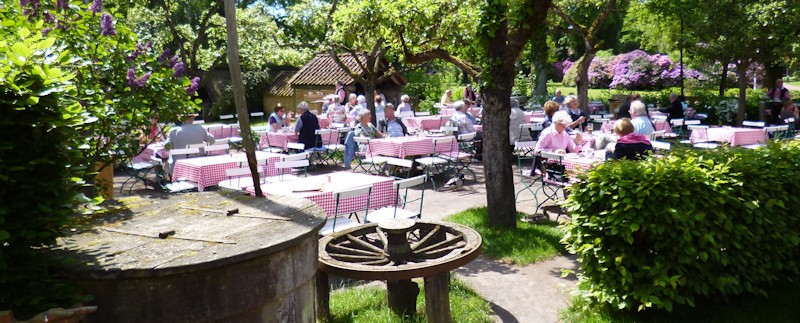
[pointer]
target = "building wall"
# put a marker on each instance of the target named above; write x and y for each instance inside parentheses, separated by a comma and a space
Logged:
(270, 101)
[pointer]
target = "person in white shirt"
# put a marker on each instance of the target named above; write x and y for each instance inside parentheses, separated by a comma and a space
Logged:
(460, 118)
(185, 135)
(641, 124)
(517, 118)
(404, 109)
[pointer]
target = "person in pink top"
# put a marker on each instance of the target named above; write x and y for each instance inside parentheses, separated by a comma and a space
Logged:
(556, 138)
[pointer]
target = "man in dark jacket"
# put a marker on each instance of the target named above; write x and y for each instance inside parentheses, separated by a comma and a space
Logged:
(392, 125)
(675, 108)
(306, 127)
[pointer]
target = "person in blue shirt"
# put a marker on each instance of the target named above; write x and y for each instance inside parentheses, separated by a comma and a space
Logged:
(577, 115)
(558, 98)
(278, 119)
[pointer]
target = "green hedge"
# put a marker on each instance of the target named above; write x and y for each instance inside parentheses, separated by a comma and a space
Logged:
(695, 224)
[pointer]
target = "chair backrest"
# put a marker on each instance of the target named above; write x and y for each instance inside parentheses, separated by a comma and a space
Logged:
(199, 122)
(404, 185)
(411, 182)
(222, 141)
(777, 132)
(184, 152)
(657, 134)
(754, 124)
(399, 162)
(196, 145)
(256, 114)
(214, 148)
(292, 164)
(322, 132)
(448, 129)
(553, 166)
(660, 145)
(353, 192)
(337, 125)
(691, 122)
(531, 126)
(608, 116)
(226, 117)
(524, 145)
(595, 116)
(677, 122)
(296, 146)
(344, 129)
(292, 157)
(696, 127)
(537, 120)
(237, 172)
(467, 137)
(361, 140)
(552, 156)
(423, 114)
(659, 118)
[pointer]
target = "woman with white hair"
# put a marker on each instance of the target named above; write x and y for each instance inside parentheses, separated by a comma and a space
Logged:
(404, 109)
(577, 117)
(362, 105)
(365, 127)
(351, 103)
(556, 138)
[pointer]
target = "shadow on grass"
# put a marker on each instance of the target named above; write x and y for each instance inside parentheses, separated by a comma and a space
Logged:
(779, 306)
(523, 245)
(369, 304)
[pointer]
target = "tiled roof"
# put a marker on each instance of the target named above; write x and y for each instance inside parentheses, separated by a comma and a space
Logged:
(322, 70)
(280, 84)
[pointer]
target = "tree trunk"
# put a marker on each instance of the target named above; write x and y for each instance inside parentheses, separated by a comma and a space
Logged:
(369, 95)
(723, 79)
(238, 93)
(539, 63)
(741, 72)
(772, 72)
(582, 79)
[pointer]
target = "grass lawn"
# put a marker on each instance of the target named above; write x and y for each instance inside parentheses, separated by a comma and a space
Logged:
(602, 94)
(780, 306)
(369, 304)
(525, 244)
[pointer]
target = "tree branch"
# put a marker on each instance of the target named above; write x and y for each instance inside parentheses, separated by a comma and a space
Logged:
(602, 17)
(202, 34)
(347, 69)
(581, 29)
(175, 35)
(438, 53)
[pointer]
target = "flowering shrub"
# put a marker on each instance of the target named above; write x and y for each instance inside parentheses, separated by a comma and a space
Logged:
(559, 69)
(635, 70)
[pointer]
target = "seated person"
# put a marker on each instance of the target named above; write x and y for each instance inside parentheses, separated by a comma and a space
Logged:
(404, 109)
(550, 108)
(777, 95)
(362, 105)
(516, 119)
(460, 119)
(789, 111)
(575, 113)
(624, 109)
(558, 98)
(364, 128)
(446, 97)
(337, 113)
(641, 125)
(556, 138)
(185, 135)
(278, 119)
(392, 126)
(675, 109)
(630, 145)
(468, 111)
(306, 127)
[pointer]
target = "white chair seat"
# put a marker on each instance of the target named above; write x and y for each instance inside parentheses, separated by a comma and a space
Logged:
(334, 147)
(753, 146)
(431, 161)
(388, 213)
(454, 156)
(707, 145)
(272, 150)
(236, 184)
(141, 165)
(342, 223)
(374, 160)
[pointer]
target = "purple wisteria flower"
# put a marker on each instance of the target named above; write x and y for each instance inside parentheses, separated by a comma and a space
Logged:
(46, 31)
(179, 69)
(137, 83)
(62, 4)
(107, 25)
(174, 60)
(131, 75)
(34, 6)
(191, 90)
(97, 6)
(49, 17)
(164, 55)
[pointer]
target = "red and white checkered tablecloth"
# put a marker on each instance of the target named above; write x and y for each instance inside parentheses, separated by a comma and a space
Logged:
(209, 171)
(731, 135)
(401, 147)
(425, 123)
(576, 163)
(608, 126)
(325, 123)
(383, 193)
(152, 149)
(281, 139)
(531, 115)
(222, 131)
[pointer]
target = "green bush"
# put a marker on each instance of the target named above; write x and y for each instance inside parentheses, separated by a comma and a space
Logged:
(39, 158)
(691, 225)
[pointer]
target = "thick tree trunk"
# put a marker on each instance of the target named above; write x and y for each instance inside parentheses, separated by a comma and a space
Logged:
(582, 79)
(723, 79)
(741, 72)
(772, 72)
(539, 63)
(369, 94)
(238, 93)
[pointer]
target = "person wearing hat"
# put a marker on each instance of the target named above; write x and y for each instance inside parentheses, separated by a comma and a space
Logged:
(185, 135)
(306, 127)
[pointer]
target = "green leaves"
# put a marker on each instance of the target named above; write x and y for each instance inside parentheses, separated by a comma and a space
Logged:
(692, 224)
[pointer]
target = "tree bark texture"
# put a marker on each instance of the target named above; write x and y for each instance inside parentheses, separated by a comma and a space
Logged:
(723, 79)
(238, 93)
(539, 66)
(582, 79)
(437, 298)
(497, 169)
(741, 71)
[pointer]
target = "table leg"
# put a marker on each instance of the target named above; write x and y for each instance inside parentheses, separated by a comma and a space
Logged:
(323, 297)
(437, 298)
(403, 297)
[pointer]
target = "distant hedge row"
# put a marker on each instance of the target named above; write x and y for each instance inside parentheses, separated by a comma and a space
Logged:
(694, 224)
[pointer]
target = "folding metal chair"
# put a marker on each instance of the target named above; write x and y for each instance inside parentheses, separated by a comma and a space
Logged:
(754, 124)
(461, 158)
(365, 157)
(553, 180)
(434, 164)
(399, 166)
(524, 152)
(346, 222)
(214, 150)
(238, 179)
(254, 115)
(701, 139)
(226, 118)
(138, 173)
(398, 209)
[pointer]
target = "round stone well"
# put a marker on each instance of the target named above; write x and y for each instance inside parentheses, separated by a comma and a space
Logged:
(199, 257)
